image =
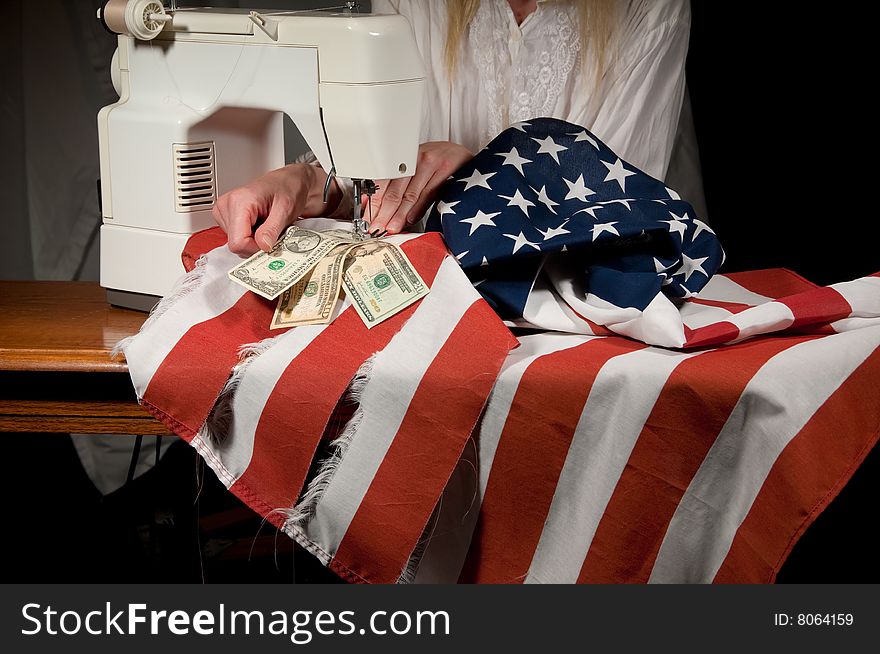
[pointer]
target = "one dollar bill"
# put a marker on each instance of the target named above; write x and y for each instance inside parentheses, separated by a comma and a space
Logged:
(312, 299)
(380, 281)
(296, 253)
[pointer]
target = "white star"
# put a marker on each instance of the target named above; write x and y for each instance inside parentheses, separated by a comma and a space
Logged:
(591, 210)
(683, 217)
(480, 220)
(517, 200)
(660, 267)
(673, 194)
(701, 227)
(444, 208)
(690, 266)
(623, 202)
(584, 136)
(512, 158)
(577, 190)
(549, 146)
(617, 173)
(521, 241)
(544, 199)
(598, 228)
(553, 232)
(485, 262)
(477, 179)
(461, 256)
(521, 126)
(676, 225)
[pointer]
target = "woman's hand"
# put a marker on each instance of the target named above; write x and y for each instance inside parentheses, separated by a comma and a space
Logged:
(254, 216)
(402, 202)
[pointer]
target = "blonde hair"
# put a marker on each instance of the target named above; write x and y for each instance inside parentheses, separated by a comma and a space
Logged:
(596, 18)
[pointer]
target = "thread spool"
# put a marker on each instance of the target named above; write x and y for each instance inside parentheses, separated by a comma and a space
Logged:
(142, 19)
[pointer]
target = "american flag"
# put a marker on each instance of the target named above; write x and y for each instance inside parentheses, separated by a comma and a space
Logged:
(547, 191)
(477, 457)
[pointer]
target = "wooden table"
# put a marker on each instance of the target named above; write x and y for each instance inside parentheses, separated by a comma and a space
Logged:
(56, 373)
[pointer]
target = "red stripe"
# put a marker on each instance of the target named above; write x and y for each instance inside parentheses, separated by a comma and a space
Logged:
(773, 282)
(733, 307)
(596, 328)
(820, 305)
(302, 402)
(529, 459)
(686, 419)
(201, 243)
(808, 474)
(714, 334)
(439, 420)
(187, 382)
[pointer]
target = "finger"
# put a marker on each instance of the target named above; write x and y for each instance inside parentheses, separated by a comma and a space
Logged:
(429, 194)
(280, 216)
(384, 204)
(240, 219)
(412, 195)
(217, 212)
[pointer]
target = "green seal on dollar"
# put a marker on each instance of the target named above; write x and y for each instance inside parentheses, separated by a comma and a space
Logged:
(311, 289)
(278, 264)
(382, 280)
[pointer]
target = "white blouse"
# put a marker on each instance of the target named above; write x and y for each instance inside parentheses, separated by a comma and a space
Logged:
(509, 73)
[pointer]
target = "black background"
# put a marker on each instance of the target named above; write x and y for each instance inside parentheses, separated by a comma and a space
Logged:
(786, 134)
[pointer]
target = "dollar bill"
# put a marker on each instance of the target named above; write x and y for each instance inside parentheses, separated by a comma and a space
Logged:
(296, 253)
(380, 281)
(311, 300)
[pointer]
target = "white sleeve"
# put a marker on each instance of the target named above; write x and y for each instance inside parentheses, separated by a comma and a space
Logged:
(643, 91)
(386, 6)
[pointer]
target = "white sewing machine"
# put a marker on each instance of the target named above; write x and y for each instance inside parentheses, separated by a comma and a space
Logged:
(201, 98)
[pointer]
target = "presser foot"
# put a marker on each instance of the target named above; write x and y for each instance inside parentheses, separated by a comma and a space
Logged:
(359, 226)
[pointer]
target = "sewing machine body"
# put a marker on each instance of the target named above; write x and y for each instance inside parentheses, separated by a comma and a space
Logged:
(200, 113)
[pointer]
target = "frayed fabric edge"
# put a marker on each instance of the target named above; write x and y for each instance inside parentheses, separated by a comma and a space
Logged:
(304, 509)
(183, 287)
(219, 421)
(408, 575)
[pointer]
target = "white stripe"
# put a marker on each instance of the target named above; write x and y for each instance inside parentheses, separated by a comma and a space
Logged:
(696, 315)
(546, 310)
(848, 324)
(770, 317)
(396, 375)
(460, 505)
(659, 324)
(863, 296)
(214, 296)
(724, 289)
(775, 405)
(620, 401)
(254, 389)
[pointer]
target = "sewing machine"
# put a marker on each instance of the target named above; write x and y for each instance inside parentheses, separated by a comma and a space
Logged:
(201, 98)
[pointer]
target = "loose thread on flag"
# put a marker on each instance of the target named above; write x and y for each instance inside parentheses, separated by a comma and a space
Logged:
(408, 575)
(303, 511)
